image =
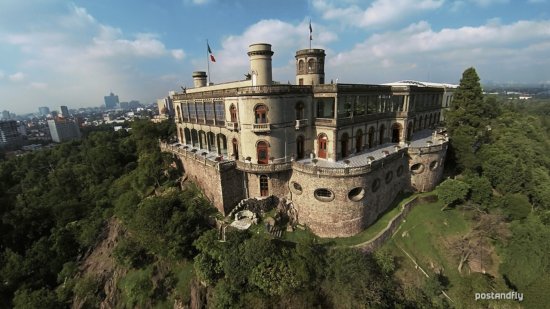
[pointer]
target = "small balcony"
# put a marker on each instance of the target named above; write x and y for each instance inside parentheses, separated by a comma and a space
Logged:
(301, 123)
(232, 126)
(261, 127)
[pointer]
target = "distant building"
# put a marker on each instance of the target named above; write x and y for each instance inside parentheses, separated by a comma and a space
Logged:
(165, 106)
(64, 111)
(134, 104)
(166, 109)
(111, 101)
(44, 110)
(9, 135)
(5, 115)
(124, 105)
(63, 130)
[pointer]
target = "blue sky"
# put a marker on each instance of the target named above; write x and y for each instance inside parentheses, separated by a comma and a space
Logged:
(56, 52)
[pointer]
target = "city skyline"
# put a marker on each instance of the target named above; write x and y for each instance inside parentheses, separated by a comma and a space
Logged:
(73, 53)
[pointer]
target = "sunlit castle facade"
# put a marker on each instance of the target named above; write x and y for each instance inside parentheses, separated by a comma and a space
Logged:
(341, 153)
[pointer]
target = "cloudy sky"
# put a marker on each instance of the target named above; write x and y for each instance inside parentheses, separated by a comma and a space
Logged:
(56, 52)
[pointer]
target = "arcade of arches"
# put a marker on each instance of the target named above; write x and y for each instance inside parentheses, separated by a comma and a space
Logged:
(205, 140)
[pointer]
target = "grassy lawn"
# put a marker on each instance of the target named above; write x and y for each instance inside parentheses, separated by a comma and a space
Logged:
(424, 235)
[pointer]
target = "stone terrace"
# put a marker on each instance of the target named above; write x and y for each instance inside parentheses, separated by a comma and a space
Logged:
(419, 139)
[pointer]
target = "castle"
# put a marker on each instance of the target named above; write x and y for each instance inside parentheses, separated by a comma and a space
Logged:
(340, 152)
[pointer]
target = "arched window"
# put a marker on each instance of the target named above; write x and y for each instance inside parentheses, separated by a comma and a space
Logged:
(299, 111)
(235, 148)
(211, 142)
(261, 113)
(222, 144)
(202, 140)
(300, 66)
(262, 152)
(381, 135)
(187, 133)
(344, 145)
(396, 133)
(409, 131)
(299, 147)
(233, 113)
(371, 137)
(311, 65)
(194, 138)
(264, 185)
(322, 142)
(359, 141)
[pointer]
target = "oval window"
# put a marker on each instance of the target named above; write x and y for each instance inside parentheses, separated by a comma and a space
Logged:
(400, 171)
(296, 187)
(356, 194)
(376, 185)
(389, 176)
(434, 165)
(323, 195)
(417, 168)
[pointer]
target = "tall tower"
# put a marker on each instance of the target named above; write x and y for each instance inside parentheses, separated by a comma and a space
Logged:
(310, 67)
(260, 63)
(64, 111)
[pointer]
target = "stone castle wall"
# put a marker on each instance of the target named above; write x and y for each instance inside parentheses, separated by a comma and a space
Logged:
(348, 213)
(358, 195)
(426, 166)
(223, 187)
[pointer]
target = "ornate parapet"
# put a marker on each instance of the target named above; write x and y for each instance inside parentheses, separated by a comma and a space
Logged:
(313, 169)
(186, 152)
(263, 168)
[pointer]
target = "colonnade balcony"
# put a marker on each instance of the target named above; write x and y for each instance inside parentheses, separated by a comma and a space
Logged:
(361, 162)
(261, 127)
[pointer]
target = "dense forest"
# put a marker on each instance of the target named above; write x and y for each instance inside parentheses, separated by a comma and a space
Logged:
(114, 198)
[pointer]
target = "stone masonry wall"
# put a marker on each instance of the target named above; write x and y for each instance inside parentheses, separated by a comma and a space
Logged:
(426, 167)
(343, 217)
(278, 183)
(223, 188)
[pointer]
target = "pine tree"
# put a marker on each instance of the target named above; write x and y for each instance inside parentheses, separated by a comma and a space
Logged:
(468, 106)
(467, 119)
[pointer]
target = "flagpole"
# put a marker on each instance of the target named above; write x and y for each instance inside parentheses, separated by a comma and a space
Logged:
(310, 34)
(208, 62)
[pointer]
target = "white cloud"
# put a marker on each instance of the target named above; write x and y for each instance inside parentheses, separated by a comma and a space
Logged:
(38, 85)
(78, 54)
(420, 51)
(197, 2)
(380, 12)
(17, 77)
(178, 54)
(487, 3)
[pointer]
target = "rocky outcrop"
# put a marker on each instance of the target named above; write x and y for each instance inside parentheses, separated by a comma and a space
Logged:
(100, 263)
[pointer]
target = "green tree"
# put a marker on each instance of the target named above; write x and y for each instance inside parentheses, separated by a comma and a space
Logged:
(467, 107)
(28, 299)
(515, 206)
(452, 191)
(467, 119)
(481, 191)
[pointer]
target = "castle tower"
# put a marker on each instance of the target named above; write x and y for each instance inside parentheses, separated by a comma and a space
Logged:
(310, 67)
(199, 79)
(260, 63)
